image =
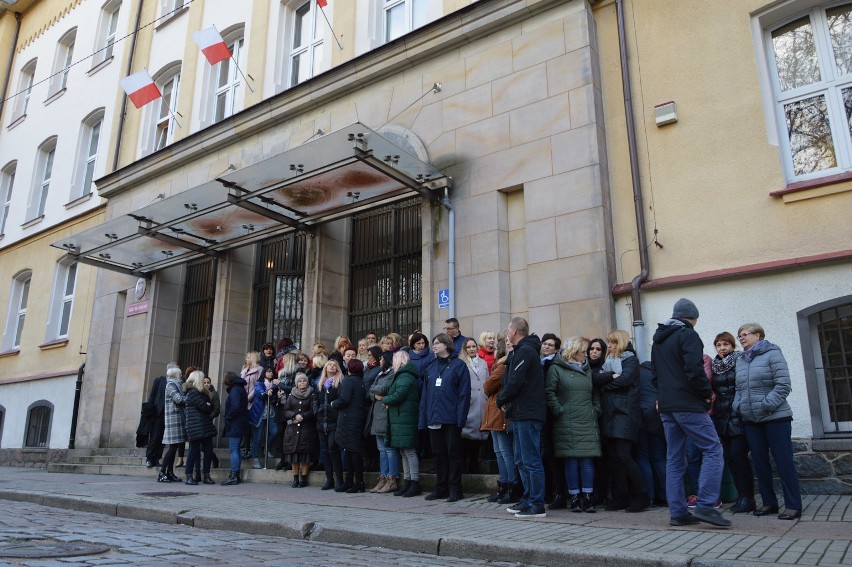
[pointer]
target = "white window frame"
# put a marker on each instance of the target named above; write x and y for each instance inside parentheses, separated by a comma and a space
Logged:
(7, 184)
(307, 51)
(164, 125)
(62, 300)
(829, 86)
(107, 32)
(407, 7)
(25, 89)
(62, 62)
(43, 173)
(18, 301)
(229, 92)
(87, 156)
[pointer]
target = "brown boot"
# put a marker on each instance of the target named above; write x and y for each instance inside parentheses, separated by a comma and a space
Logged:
(379, 485)
(390, 486)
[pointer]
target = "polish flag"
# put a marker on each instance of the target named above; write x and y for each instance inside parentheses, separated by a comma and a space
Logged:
(212, 45)
(322, 3)
(140, 88)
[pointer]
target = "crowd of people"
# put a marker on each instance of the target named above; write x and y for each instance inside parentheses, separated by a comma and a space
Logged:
(578, 422)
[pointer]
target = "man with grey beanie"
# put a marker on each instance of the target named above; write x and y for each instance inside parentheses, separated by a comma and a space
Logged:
(684, 395)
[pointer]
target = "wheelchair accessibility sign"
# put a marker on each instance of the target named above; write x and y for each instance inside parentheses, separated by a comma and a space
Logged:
(443, 299)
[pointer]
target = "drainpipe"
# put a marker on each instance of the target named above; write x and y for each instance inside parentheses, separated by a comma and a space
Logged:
(635, 294)
(77, 389)
(452, 251)
(11, 60)
(120, 130)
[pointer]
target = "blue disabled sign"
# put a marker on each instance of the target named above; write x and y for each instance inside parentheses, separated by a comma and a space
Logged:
(443, 299)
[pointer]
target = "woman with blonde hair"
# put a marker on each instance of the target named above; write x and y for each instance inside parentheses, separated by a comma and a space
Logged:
(472, 436)
(326, 415)
(618, 381)
(251, 373)
(403, 404)
(199, 426)
(487, 347)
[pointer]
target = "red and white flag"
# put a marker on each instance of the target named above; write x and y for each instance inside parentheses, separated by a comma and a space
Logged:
(140, 88)
(322, 3)
(212, 45)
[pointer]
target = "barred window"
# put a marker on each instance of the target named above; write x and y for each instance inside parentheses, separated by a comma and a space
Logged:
(279, 290)
(39, 418)
(196, 325)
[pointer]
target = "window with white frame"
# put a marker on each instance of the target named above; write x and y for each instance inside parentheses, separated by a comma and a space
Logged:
(62, 62)
(87, 154)
(307, 52)
(7, 183)
(62, 300)
(107, 30)
(43, 175)
(18, 300)
(227, 80)
(25, 87)
(810, 58)
(164, 125)
(402, 16)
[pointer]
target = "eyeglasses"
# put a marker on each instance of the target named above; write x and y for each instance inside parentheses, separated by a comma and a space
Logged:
(744, 335)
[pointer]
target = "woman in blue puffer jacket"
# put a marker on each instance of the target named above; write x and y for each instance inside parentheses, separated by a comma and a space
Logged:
(763, 384)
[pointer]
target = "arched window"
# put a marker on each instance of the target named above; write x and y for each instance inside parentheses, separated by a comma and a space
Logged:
(62, 62)
(7, 183)
(62, 300)
(25, 88)
(87, 154)
(18, 300)
(107, 30)
(307, 54)
(160, 122)
(43, 173)
(224, 81)
(39, 419)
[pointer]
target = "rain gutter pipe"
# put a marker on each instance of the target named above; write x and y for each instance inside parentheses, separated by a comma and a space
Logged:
(451, 245)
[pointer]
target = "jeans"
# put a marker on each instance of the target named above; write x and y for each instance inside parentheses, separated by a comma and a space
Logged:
(774, 436)
(651, 458)
(698, 428)
(410, 464)
(388, 458)
(580, 472)
(503, 442)
(693, 466)
(234, 450)
(736, 457)
(259, 432)
(449, 457)
(528, 458)
(195, 448)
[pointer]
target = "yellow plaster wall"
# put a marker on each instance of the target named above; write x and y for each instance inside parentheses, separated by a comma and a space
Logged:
(259, 43)
(37, 255)
(706, 178)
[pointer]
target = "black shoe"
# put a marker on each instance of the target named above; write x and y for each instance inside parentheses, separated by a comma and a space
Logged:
(576, 504)
(149, 464)
(295, 481)
(356, 488)
(163, 477)
(513, 494)
(455, 496)
(617, 503)
(766, 511)
(587, 503)
(501, 490)
(403, 488)
(172, 476)
(711, 516)
(303, 482)
(208, 479)
(639, 504)
(329, 483)
(436, 495)
(190, 480)
(413, 490)
(790, 515)
(559, 503)
(197, 476)
(280, 466)
(233, 479)
(680, 521)
(743, 506)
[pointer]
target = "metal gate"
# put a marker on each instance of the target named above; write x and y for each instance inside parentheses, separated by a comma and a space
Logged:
(834, 368)
(280, 267)
(386, 277)
(199, 295)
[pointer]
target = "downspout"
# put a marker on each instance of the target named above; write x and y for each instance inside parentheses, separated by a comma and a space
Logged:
(9, 65)
(451, 245)
(635, 285)
(76, 411)
(120, 131)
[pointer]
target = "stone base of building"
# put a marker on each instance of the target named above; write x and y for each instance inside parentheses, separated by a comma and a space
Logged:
(32, 458)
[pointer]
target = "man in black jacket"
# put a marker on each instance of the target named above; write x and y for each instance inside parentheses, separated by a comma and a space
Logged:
(522, 400)
(684, 395)
(157, 399)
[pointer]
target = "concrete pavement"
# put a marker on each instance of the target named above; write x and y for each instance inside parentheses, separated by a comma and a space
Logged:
(472, 528)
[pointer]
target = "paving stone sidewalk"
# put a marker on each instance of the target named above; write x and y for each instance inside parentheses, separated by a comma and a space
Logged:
(472, 528)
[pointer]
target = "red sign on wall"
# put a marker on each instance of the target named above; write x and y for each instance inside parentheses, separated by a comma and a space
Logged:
(136, 308)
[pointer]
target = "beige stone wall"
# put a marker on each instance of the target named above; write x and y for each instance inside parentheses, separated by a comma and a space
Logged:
(706, 178)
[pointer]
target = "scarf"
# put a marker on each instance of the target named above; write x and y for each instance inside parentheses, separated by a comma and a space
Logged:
(723, 364)
(302, 394)
(748, 354)
(574, 365)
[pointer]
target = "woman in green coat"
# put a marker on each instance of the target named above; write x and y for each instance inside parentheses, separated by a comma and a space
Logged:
(403, 403)
(575, 406)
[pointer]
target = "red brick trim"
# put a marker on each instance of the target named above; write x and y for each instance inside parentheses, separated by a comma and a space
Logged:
(812, 184)
(37, 377)
(739, 271)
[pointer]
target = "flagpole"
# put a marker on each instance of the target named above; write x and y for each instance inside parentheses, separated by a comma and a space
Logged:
(241, 73)
(340, 45)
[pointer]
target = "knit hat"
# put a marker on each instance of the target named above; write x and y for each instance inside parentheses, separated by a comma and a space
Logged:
(684, 309)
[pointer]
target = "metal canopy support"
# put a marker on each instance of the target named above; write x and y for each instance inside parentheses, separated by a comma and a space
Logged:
(107, 266)
(244, 203)
(387, 169)
(176, 242)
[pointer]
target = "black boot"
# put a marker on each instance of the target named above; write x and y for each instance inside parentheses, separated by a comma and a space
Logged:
(295, 481)
(170, 472)
(349, 482)
(339, 485)
(281, 464)
(501, 491)
(455, 494)
(215, 461)
(513, 495)
(403, 489)
(163, 477)
(304, 481)
(743, 506)
(329, 482)
(587, 503)
(576, 504)
(197, 476)
(413, 490)
(639, 503)
(190, 480)
(559, 503)
(232, 479)
(208, 479)
(357, 485)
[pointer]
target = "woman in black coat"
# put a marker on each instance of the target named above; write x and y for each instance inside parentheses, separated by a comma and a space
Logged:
(300, 435)
(199, 426)
(326, 414)
(351, 414)
(618, 380)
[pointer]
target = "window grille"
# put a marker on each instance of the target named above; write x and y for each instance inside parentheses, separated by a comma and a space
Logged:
(834, 367)
(38, 427)
(196, 324)
(280, 267)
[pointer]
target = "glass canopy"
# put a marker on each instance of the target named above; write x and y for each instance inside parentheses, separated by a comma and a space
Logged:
(331, 177)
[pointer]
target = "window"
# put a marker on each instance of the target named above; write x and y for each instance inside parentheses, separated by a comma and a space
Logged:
(107, 29)
(165, 119)
(2, 418)
(402, 16)
(43, 174)
(87, 154)
(279, 275)
(7, 182)
(63, 300)
(307, 53)
(199, 297)
(62, 63)
(39, 417)
(17, 310)
(25, 87)
(227, 81)
(829, 358)
(810, 58)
